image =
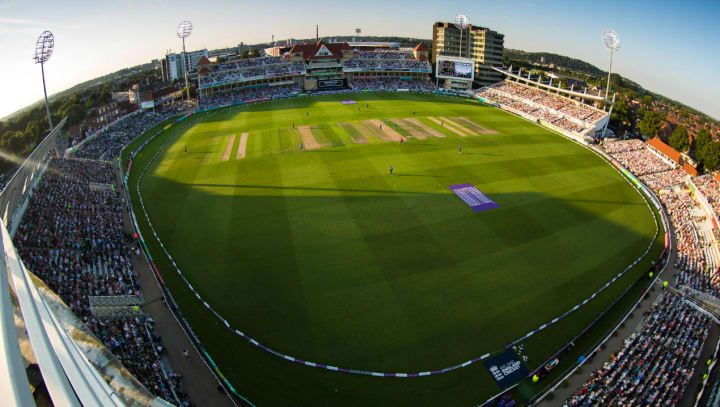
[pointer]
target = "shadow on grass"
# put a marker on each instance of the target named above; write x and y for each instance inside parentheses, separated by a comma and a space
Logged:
(388, 256)
(281, 263)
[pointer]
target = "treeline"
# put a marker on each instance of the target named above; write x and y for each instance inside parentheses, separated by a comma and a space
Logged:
(117, 77)
(702, 148)
(705, 150)
(25, 130)
(555, 59)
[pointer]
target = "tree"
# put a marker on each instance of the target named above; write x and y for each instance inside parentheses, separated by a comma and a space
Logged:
(701, 139)
(711, 156)
(33, 132)
(679, 139)
(650, 126)
(621, 115)
(245, 54)
(254, 53)
(646, 100)
(75, 112)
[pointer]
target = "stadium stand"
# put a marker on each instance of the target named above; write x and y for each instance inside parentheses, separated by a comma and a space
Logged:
(698, 257)
(107, 144)
(315, 67)
(567, 114)
(654, 365)
(392, 85)
(250, 95)
(72, 237)
(642, 162)
(710, 188)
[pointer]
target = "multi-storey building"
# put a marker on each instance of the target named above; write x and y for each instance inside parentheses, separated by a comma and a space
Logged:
(481, 44)
(172, 64)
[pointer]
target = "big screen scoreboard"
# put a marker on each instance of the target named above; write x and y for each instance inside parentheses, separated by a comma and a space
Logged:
(455, 68)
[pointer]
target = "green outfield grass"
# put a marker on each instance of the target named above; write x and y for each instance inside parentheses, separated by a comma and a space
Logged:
(324, 256)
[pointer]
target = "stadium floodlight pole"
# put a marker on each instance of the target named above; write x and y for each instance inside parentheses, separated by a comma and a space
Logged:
(611, 41)
(43, 50)
(461, 22)
(183, 31)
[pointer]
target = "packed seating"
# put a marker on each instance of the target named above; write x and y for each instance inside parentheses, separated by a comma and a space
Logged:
(246, 63)
(710, 188)
(384, 55)
(613, 147)
(654, 366)
(560, 111)
(107, 144)
(642, 162)
(252, 69)
(177, 107)
(392, 84)
(384, 65)
(72, 236)
(664, 179)
(698, 255)
(250, 95)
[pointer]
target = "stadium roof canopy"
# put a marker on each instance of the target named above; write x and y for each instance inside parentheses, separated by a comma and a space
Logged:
(599, 97)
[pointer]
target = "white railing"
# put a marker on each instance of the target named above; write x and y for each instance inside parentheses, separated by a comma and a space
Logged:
(13, 380)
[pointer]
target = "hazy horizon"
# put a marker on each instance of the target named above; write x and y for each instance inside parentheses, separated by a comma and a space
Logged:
(92, 40)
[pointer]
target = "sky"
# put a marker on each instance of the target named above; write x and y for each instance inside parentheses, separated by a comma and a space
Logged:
(668, 47)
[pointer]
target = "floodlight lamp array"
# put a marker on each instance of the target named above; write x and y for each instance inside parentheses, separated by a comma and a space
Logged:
(461, 21)
(184, 29)
(610, 39)
(44, 47)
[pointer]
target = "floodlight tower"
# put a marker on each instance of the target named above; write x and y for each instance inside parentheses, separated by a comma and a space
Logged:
(183, 31)
(461, 22)
(43, 50)
(611, 41)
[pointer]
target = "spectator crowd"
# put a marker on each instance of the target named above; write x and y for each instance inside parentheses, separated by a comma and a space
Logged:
(567, 114)
(72, 236)
(250, 95)
(386, 65)
(106, 144)
(654, 366)
(710, 188)
(249, 73)
(392, 84)
(696, 248)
